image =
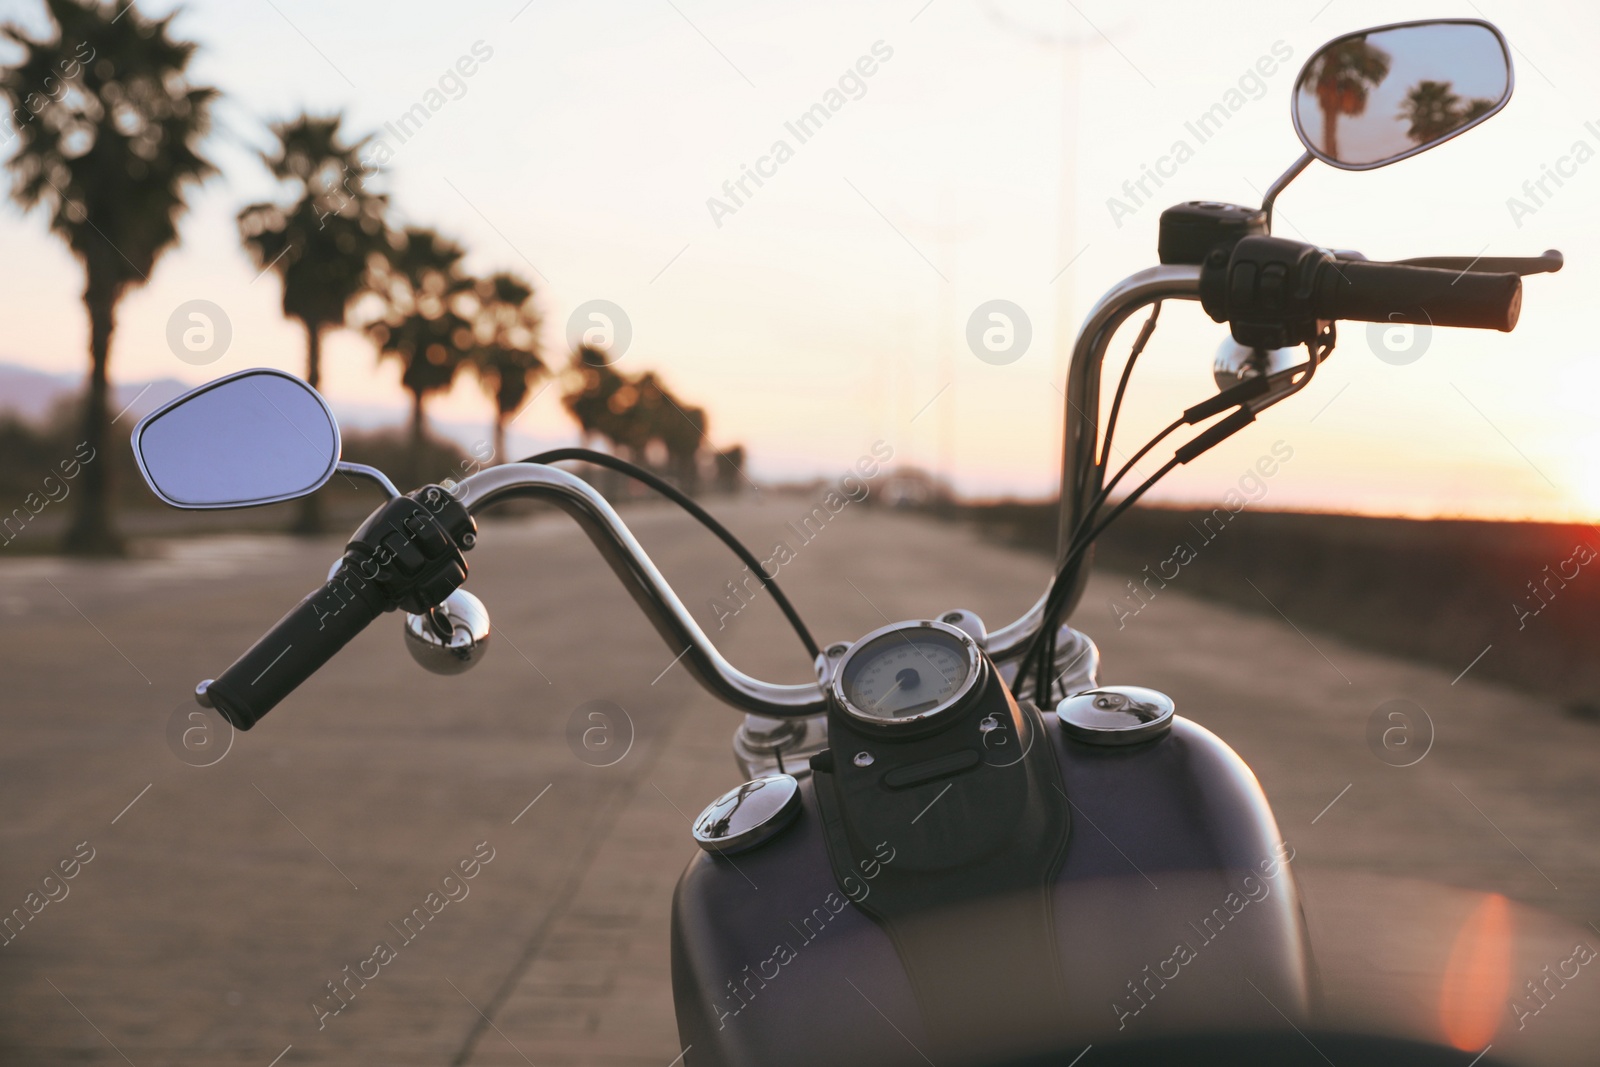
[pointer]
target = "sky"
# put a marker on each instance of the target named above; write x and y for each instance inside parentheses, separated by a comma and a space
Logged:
(990, 154)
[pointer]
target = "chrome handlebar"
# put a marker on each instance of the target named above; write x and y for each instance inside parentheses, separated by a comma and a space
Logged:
(677, 627)
(643, 581)
(1081, 437)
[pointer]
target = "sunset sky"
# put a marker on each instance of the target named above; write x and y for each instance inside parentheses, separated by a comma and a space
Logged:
(829, 308)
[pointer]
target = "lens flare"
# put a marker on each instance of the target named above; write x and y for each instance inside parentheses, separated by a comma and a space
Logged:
(1478, 976)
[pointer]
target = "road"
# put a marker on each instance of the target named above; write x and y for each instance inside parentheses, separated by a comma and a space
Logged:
(219, 901)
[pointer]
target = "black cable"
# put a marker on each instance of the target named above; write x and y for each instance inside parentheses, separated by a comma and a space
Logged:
(1045, 645)
(1039, 657)
(1139, 342)
(672, 493)
(1047, 665)
(1044, 641)
(1047, 648)
(1128, 466)
(1128, 501)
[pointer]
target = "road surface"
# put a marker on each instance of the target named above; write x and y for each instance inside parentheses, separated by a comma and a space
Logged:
(219, 901)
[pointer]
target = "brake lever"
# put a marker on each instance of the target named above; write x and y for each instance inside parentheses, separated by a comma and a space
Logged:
(1549, 263)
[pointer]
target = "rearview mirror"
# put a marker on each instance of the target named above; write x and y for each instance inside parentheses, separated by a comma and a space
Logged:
(1368, 99)
(256, 437)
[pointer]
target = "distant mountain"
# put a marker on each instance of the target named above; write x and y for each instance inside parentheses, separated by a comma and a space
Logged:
(31, 394)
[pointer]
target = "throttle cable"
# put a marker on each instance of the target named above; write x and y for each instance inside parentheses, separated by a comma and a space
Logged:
(684, 501)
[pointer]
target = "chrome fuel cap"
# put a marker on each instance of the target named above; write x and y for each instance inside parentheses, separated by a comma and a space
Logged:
(1116, 715)
(748, 815)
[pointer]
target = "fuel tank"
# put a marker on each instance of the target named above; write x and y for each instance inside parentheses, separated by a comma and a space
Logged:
(1172, 910)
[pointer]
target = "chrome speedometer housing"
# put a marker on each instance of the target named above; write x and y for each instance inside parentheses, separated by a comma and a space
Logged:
(907, 674)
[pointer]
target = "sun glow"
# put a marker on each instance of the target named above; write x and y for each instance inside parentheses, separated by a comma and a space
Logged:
(1478, 976)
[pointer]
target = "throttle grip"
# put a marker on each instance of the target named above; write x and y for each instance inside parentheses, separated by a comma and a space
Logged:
(1277, 293)
(407, 554)
(1401, 292)
(294, 649)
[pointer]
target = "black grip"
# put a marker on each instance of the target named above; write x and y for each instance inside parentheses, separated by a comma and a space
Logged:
(407, 554)
(294, 649)
(1400, 292)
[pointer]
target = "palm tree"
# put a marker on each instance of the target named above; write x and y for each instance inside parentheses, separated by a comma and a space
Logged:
(643, 403)
(683, 449)
(1433, 109)
(322, 244)
(507, 353)
(426, 322)
(639, 416)
(597, 396)
(110, 148)
(1477, 107)
(1341, 79)
(600, 399)
(681, 428)
(730, 468)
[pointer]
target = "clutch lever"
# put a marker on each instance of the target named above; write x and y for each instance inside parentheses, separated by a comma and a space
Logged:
(1548, 263)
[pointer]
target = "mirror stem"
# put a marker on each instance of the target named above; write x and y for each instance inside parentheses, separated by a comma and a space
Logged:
(1284, 179)
(373, 474)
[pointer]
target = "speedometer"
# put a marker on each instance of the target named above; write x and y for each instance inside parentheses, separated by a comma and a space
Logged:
(907, 673)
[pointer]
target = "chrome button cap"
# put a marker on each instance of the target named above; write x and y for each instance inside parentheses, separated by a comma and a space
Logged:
(452, 637)
(748, 815)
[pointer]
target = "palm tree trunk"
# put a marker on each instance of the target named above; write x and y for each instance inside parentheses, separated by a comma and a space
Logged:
(419, 433)
(688, 472)
(310, 521)
(602, 478)
(500, 437)
(91, 532)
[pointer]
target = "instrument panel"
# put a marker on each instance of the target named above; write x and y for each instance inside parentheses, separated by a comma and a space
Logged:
(907, 673)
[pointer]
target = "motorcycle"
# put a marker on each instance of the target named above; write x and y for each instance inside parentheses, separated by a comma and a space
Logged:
(946, 823)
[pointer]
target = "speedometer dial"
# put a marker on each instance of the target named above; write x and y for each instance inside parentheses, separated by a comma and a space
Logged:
(907, 673)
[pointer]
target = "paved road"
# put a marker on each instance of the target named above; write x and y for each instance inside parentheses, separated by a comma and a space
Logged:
(219, 901)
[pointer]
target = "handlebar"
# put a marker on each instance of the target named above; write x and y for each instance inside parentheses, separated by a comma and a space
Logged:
(1208, 284)
(407, 554)
(1278, 293)
(643, 581)
(314, 631)
(1081, 425)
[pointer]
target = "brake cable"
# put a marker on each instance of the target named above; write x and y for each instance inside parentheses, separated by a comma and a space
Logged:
(684, 501)
(1039, 657)
(1139, 343)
